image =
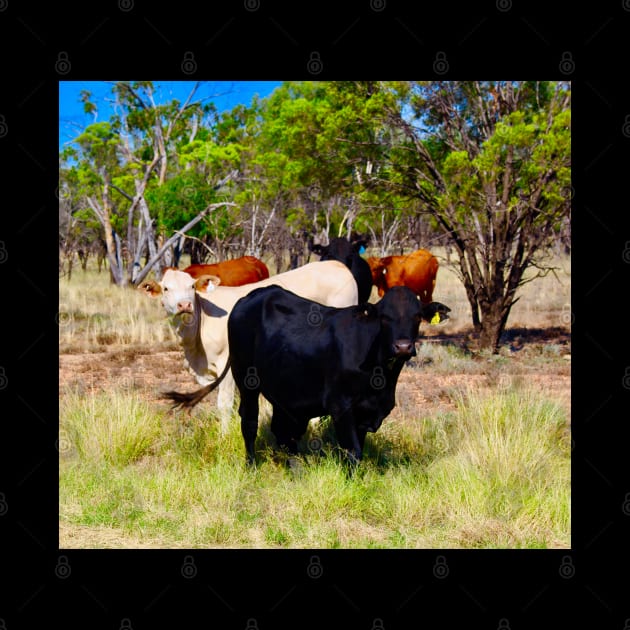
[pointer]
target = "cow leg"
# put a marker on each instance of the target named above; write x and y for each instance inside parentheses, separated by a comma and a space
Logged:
(348, 436)
(284, 428)
(361, 432)
(248, 410)
(225, 401)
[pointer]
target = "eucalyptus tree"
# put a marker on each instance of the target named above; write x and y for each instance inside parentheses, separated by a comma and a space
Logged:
(120, 160)
(490, 163)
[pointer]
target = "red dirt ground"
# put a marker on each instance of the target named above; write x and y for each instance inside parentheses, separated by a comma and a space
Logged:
(149, 373)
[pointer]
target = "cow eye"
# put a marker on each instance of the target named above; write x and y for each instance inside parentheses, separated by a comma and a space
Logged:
(165, 289)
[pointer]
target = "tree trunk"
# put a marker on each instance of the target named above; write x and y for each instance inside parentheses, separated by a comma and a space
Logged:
(470, 288)
(112, 240)
(149, 233)
(121, 278)
(490, 332)
(493, 321)
(83, 255)
(99, 250)
(278, 261)
(113, 257)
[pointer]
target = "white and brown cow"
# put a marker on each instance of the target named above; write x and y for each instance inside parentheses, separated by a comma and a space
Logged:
(201, 307)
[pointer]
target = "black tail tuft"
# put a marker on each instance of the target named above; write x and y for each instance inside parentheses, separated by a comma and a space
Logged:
(187, 401)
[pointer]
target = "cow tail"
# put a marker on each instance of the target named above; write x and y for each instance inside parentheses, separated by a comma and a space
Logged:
(188, 401)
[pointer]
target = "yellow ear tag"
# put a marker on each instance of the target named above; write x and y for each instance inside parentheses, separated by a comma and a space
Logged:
(436, 319)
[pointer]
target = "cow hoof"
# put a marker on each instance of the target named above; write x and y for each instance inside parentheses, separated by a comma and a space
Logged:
(295, 465)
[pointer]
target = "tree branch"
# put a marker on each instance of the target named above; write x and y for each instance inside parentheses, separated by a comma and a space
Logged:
(133, 93)
(141, 276)
(122, 192)
(96, 209)
(195, 238)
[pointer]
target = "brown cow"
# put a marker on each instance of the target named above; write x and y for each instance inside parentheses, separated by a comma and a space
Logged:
(417, 271)
(233, 273)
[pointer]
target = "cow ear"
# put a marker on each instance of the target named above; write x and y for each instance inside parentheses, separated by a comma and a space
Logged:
(359, 245)
(366, 311)
(207, 283)
(151, 288)
(435, 312)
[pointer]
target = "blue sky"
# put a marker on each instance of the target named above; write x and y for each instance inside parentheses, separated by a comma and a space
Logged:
(224, 94)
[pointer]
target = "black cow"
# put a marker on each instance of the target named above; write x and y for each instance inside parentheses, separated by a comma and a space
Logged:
(311, 360)
(347, 252)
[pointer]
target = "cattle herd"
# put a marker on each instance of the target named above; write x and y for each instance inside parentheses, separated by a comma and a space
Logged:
(307, 339)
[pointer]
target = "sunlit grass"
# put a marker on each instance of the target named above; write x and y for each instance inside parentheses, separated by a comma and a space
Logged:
(94, 314)
(492, 471)
(495, 473)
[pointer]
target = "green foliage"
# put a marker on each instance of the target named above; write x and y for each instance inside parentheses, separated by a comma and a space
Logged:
(183, 197)
(487, 162)
(98, 147)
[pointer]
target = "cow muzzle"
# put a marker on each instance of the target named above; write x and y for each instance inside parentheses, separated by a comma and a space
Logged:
(184, 306)
(404, 348)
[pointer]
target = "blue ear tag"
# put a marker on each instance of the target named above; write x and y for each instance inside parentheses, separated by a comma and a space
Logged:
(362, 249)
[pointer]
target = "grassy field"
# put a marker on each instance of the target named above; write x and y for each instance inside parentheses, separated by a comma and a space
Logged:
(475, 455)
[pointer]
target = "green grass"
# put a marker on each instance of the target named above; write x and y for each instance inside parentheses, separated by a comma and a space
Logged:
(493, 473)
(489, 469)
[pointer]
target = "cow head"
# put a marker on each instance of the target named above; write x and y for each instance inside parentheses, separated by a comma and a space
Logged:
(378, 270)
(400, 313)
(339, 249)
(360, 242)
(178, 288)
